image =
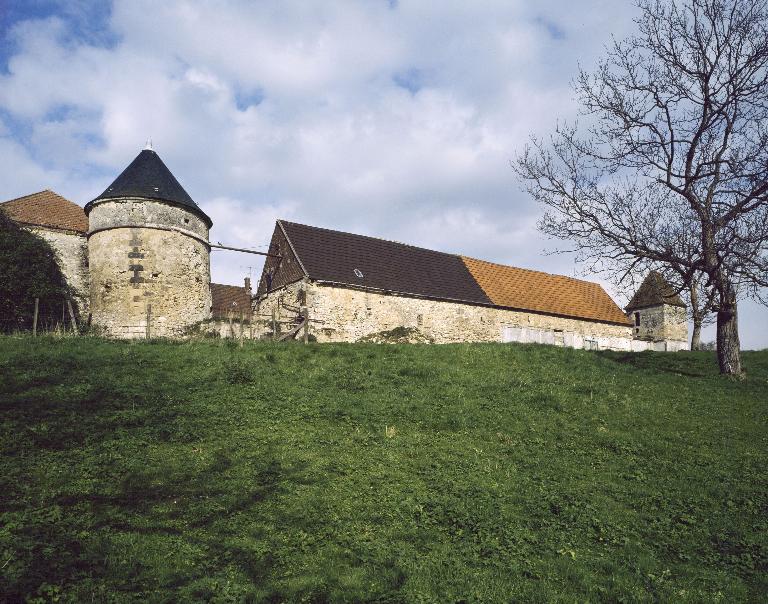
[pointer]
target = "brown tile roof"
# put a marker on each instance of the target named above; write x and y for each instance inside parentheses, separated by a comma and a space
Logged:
(226, 298)
(654, 290)
(541, 292)
(47, 209)
(334, 256)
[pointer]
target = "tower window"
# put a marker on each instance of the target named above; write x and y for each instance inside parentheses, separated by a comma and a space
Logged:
(637, 319)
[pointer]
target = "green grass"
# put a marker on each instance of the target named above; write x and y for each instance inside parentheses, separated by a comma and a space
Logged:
(202, 471)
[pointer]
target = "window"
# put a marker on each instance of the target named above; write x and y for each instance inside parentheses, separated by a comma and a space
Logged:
(302, 297)
(637, 319)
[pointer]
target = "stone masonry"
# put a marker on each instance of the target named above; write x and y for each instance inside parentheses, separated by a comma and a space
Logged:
(149, 261)
(72, 254)
(340, 314)
(658, 323)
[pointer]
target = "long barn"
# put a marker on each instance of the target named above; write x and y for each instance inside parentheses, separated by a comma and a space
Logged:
(353, 287)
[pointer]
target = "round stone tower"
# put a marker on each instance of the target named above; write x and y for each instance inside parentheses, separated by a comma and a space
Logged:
(148, 254)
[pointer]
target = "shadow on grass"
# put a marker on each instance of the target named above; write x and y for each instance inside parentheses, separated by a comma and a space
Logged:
(690, 364)
(155, 510)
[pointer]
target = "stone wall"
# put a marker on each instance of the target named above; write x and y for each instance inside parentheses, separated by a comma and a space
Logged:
(223, 328)
(660, 323)
(347, 315)
(72, 255)
(148, 260)
(135, 211)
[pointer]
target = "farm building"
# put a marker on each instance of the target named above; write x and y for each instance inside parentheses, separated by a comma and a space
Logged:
(354, 287)
(138, 257)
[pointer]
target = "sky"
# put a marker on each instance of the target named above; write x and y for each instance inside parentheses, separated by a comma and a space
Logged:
(394, 119)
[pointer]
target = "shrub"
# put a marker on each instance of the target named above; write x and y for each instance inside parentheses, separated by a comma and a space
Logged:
(28, 270)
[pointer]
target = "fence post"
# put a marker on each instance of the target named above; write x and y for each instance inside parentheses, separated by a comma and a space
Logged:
(242, 328)
(149, 320)
(72, 316)
(34, 318)
(274, 326)
(306, 325)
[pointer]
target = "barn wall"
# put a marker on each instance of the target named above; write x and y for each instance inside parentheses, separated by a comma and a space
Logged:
(348, 315)
(72, 255)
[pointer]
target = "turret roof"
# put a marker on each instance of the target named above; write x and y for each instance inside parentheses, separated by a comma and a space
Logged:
(147, 176)
(654, 290)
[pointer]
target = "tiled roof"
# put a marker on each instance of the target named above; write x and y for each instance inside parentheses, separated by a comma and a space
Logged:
(226, 298)
(368, 262)
(524, 289)
(654, 290)
(334, 256)
(47, 209)
(147, 176)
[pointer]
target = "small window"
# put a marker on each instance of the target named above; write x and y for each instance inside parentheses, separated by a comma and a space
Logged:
(302, 297)
(637, 319)
(419, 320)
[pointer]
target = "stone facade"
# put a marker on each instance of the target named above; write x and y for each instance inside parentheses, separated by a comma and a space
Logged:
(148, 261)
(72, 254)
(663, 322)
(341, 314)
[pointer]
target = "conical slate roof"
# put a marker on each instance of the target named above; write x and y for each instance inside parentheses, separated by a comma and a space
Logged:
(147, 176)
(653, 291)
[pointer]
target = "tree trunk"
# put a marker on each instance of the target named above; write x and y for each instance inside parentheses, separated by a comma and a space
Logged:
(696, 337)
(728, 346)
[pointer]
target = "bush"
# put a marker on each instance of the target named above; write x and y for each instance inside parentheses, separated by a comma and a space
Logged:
(28, 270)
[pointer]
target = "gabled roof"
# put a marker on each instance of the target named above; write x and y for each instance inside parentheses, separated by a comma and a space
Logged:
(229, 298)
(654, 290)
(334, 256)
(525, 289)
(47, 209)
(147, 176)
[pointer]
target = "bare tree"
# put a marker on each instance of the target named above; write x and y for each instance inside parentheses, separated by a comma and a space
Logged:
(701, 301)
(672, 167)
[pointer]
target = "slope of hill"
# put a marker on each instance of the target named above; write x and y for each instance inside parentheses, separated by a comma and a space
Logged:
(479, 473)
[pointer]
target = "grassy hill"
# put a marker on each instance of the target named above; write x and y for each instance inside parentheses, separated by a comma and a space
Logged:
(477, 473)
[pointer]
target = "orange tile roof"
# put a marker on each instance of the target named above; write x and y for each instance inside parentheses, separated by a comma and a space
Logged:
(47, 209)
(541, 292)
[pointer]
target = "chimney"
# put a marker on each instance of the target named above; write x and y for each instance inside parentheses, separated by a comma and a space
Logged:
(248, 286)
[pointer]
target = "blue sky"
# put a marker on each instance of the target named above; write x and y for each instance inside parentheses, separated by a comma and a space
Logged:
(394, 119)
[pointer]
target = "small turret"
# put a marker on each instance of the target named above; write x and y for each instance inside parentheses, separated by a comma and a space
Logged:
(657, 312)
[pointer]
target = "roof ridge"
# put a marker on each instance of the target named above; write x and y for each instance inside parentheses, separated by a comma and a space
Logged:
(417, 247)
(32, 195)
